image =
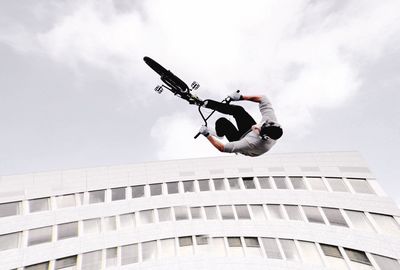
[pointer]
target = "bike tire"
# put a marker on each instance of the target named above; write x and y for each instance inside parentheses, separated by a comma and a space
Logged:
(155, 66)
(177, 85)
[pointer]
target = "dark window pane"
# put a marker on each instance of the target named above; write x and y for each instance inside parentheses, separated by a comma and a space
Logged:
(242, 212)
(204, 185)
(117, 194)
(188, 186)
(155, 189)
(172, 187)
(334, 217)
(234, 183)
(297, 182)
(219, 184)
(264, 182)
(138, 191)
(249, 183)
(280, 182)
(9, 209)
(97, 196)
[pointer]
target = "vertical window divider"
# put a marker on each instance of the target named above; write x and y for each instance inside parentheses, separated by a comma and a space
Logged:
(241, 183)
(285, 214)
(327, 184)
(272, 182)
(321, 253)
(306, 183)
(299, 249)
(24, 207)
(54, 233)
(346, 182)
(103, 258)
(321, 211)
(281, 249)
(345, 257)
(371, 220)
(119, 256)
(346, 218)
(289, 183)
(256, 183)
(128, 193)
(302, 213)
(79, 261)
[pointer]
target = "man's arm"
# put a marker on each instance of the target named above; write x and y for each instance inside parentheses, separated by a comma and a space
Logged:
(217, 144)
(252, 98)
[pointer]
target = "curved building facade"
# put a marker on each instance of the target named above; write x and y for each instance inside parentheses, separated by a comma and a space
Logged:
(281, 211)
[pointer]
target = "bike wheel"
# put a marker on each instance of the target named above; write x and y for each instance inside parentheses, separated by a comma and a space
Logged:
(155, 66)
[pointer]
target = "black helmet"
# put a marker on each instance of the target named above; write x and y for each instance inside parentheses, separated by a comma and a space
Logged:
(270, 130)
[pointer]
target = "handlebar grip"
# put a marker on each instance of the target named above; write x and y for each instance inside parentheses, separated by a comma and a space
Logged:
(197, 135)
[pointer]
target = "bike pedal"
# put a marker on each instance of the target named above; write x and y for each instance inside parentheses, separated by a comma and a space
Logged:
(159, 89)
(195, 85)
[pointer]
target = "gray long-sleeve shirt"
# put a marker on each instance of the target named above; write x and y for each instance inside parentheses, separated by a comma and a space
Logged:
(251, 144)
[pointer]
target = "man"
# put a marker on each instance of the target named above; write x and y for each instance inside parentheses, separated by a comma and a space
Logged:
(248, 138)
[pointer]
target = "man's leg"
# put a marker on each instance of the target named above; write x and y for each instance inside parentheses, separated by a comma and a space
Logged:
(224, 127)
(243, 120)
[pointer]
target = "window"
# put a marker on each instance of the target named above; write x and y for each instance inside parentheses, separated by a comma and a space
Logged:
(316, 183)
(127, 220)
(67, 230)
(333, 257)
(280, 182)
(290, 250)
(310, 252)
(65, 201)
(218, 247)
(39, 266)
(167, 248)
(387, 223)
(252, 246)
(313, 215)
(181, 213)
(9, 209)
(202, 244)
(361, 186)
(155, 189)
(264, 182)
(357, 257)
(91, 260)
(242, 212)
(196, 212)
(219, 184)
(234, 183)
(110, 223)
(185, 245)
(9, 241)
(386, 263)
(249, 183)
(297, 182)
(38, 205)
(188, 186)
(39, 236)
(164, 214)
(271, 248)
(97, 196)
(118, 194)
(235, 246)
(172, 187)
(91, 226)
(226, 212)
(258, 212)
(67, 263)
(211, 212)
(129, 254)
(293, 212)
(334, 217)
(111, 257)
(359, 221)
(146, 217)
(149, 251)
(138, 191)
(204, 185)
(337, 184)
(275, 211)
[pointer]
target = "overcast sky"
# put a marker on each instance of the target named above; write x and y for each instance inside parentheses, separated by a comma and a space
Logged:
(75, 92)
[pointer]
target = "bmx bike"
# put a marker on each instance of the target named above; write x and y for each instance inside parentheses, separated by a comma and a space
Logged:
(179, 88)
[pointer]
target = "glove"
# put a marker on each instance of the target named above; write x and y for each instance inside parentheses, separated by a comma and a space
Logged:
(204, 131)
(235, 96)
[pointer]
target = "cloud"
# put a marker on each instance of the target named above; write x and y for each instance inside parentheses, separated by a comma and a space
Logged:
(306, 55)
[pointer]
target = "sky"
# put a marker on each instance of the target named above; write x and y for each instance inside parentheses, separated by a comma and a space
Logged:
(75, 92)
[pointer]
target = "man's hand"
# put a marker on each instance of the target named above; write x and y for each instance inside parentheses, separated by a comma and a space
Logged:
(204, 131)
(235, 96)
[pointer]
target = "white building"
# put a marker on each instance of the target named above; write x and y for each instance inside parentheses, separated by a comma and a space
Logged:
(280, 211)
